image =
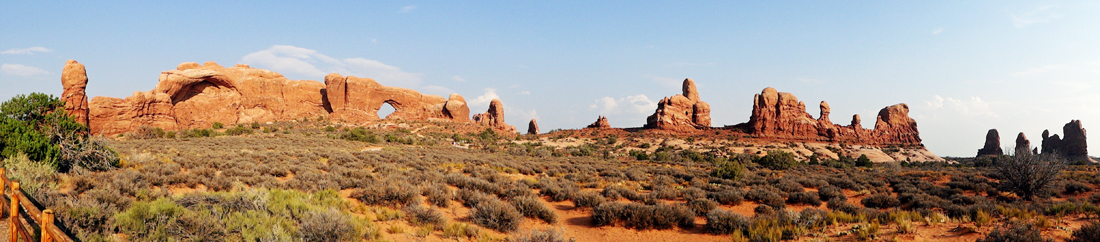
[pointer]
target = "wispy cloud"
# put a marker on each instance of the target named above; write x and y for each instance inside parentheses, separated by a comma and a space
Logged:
(811, 80)
(667, 82)
(458, 78)
(21, 70)
(406, 9)
(309, 64)
(1043, 14)
(484, 99)
(636, 104)
(974, 106)
(525, 93)
(937, 31)
(27, 51)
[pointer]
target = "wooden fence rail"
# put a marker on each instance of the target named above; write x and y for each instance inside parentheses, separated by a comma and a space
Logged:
(23, 212)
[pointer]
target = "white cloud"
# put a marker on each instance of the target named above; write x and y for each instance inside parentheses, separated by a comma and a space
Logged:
(484, 99)
(937, 31)
(1043, 14)
(21, 70)
(1078, 76)
(520, 116)
(973, 107)
(458, 78)
(27, 51)
(297, 62)
(636, 104)
(406, 9)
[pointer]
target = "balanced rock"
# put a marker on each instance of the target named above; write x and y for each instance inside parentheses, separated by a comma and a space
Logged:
(75, 79)
(533, 127)
(681, 112)
(601, 123)
(494, 117)
(992, 144)
(357, 99)
(1023, 146)
(781, 115)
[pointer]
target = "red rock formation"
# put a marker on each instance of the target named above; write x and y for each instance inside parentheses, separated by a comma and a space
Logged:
(494, 117)
(601, 123)
(1023, 146)
(681, 112)
(1074, 146)
(992, 144)
(74, 78)
(194, 96)
(780, 115)
(355, 99)
(533, 127)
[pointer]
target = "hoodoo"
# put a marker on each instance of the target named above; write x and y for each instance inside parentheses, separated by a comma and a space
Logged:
(533, 127)
(75, 79)
(494, 117)
(601, 123)
(992, 144)
(1023, 146)
(681, 112)
(1073, 146)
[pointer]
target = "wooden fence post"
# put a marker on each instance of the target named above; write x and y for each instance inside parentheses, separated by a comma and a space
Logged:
(46, 223)
(14, 212)
(2, 190)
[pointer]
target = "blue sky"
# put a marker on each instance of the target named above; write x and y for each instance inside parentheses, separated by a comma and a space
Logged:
(963, 67)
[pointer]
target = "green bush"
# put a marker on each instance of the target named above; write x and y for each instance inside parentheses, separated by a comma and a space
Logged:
(863, 161)
(34, 125)
(729, 170)
(361, 134)
(149, 221)
(217, 125)
(777, 160)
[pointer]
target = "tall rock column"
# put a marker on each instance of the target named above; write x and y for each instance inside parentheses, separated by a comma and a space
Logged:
(533, 127)
(681, 112)
(992, 144)
(1023, 146)
(75, 79)
(1075, 145)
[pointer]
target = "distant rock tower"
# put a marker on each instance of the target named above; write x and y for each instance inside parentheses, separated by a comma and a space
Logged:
(992, 144)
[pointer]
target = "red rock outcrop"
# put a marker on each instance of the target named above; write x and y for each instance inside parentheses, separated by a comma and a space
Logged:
(494, 117)
(992, 144)
(1074, 146)
(194, 96)
(1023, 146)
(355, 99)
(533, 127)
(75, 79)
(781, 115)
(601, 123)
(682, 112)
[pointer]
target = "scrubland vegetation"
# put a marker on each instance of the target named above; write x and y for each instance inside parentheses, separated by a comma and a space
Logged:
(316, 180)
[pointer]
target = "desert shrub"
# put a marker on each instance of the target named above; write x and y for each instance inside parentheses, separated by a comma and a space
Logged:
(460, 230)
(765, 195)
(1028, 175)
(463, 181)
(727, 196)
(863, 161)
(362, 135)
(327, 225)
(616, 192)
(497, 215)
(880, 201)
(807, 198)
(702, 206)
(533, 207)
(788, 185)
(32, 176)
(720, 221)
(1011, 232)
(588, 199)
(558, 191)
(548, 235)
(33, 124)
(239, 130)
(149, 221)
(386, 193)
(1089, 232)
(217, 125)
(1075, 187)
(421, 216)
(777, 160)
(826, 193)
(639, 216)
(439, 195)
(727, 170)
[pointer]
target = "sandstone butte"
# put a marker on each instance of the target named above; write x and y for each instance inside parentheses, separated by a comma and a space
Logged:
(601, 123)
(196, 96)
